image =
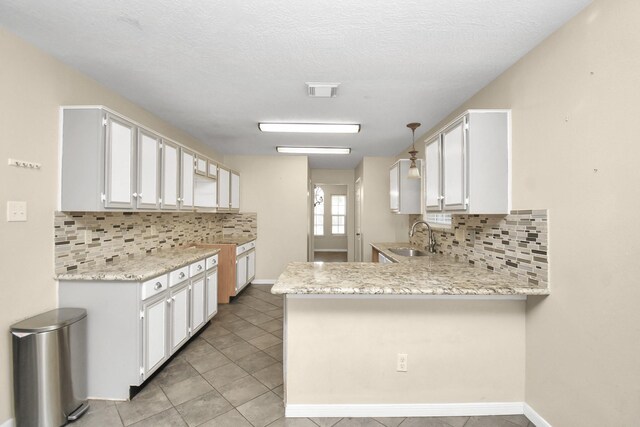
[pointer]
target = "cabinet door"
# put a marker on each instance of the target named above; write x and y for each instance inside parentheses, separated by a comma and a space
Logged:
(148, 170)
(155, 335)
(223, 189)
(235, 190)
(454, 167)
(170, 175)
(212, 169)
(433, 193)
(201, 165)
(241, 272)
(197, 303)
(394, 188)
(186, 179)
(179, 316)
(212, 293)
(251, 266)
(120, 161)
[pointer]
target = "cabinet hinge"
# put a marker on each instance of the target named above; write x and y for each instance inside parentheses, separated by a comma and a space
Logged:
(103, 197)
(160, 200)
(142, 314)
(142, 371)
(466, 201)
(189, 330)
(104, 121)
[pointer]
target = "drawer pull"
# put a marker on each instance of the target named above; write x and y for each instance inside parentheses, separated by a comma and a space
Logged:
(199, 267)
(157, 286)
(181, 275)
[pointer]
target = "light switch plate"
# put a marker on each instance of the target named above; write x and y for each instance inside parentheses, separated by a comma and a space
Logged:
(16, 211)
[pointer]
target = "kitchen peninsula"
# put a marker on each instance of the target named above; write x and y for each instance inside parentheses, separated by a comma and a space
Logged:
(462, 329)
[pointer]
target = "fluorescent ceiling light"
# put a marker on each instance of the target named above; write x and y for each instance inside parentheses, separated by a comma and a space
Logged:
(309, 127)
(313, 150)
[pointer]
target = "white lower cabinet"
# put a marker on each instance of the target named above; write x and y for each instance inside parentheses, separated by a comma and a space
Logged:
(251, 266)
(198, 301)
(241, 272)
(212, 293)
(134, 327)
(155, 325)
(179, 316)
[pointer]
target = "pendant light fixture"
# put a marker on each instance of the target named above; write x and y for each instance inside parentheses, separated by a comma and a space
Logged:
(414, 172)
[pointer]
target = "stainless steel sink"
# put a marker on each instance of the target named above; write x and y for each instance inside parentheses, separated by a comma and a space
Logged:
(408, 252)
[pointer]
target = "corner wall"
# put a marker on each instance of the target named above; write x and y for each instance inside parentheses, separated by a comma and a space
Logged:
(575, 105)
(275, 187)
(33, 86)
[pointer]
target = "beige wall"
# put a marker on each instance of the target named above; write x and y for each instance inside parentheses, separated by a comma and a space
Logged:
(276, 188)
(33, 85)
(343, 177)
(344, 351)
(378, 223)
(575, 151)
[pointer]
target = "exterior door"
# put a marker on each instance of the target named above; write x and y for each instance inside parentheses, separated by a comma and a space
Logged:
(155, 333)
(454, 167)
(120, 163)
(358, 221)
(148, 170)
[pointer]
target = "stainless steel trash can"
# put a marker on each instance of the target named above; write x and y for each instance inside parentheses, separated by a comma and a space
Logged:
(50, 368)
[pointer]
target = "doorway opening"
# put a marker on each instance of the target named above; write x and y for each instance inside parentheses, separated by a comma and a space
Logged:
(329, 225)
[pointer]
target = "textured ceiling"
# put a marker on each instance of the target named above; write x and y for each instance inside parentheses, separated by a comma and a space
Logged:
(216, 68)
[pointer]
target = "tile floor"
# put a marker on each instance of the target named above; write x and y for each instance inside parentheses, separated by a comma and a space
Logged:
(231, 376)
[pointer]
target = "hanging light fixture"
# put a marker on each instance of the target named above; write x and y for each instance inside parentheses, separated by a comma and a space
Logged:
(414, 172)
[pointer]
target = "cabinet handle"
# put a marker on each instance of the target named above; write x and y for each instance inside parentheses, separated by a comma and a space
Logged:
(157, 286)
(173, 298)
(135, 195)
(169, 301)
(199, 267)
(181, 275)
(139, 195)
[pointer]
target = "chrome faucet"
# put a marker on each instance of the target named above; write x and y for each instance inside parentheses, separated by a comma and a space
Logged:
(432, 239)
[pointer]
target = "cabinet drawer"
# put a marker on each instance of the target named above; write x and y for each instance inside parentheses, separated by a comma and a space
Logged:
(154, 287)
(244, 248)
(196, 268)
(240, 249)
(179, 275)
(212, 261)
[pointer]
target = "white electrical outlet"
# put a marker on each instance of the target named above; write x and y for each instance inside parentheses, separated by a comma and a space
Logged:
(402, 363)
(16, 211)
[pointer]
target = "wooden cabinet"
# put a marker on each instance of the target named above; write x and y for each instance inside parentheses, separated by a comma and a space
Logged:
(112, 163)
(236, 268)
(145, 322)
(404, 192)
(468, 165)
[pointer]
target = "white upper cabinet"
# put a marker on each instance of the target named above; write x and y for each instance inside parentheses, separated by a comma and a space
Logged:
(186, 181)
(404, 192)
(433, 160)
(148, 193)
(235, 191)
(454, 166)
(120, 163)
(170, 175)
(224, 187)
(112, 163)
(468, 165)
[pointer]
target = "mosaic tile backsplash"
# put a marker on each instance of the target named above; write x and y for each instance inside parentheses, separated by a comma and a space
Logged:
(84, 239)
(516, 244)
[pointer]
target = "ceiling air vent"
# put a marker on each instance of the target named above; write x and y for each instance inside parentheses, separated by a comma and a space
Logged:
(322, 90)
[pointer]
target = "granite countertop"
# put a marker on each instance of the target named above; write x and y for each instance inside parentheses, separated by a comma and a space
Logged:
(227, 240)
(427, 275)
(141, 267)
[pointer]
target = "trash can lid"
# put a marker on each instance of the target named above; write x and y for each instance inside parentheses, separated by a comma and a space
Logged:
(50, 321)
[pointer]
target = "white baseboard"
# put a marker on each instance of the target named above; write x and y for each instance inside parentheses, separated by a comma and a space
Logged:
(9, 423)
(406, 410)
(534, 417)
(263, 282)
(330, 250)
